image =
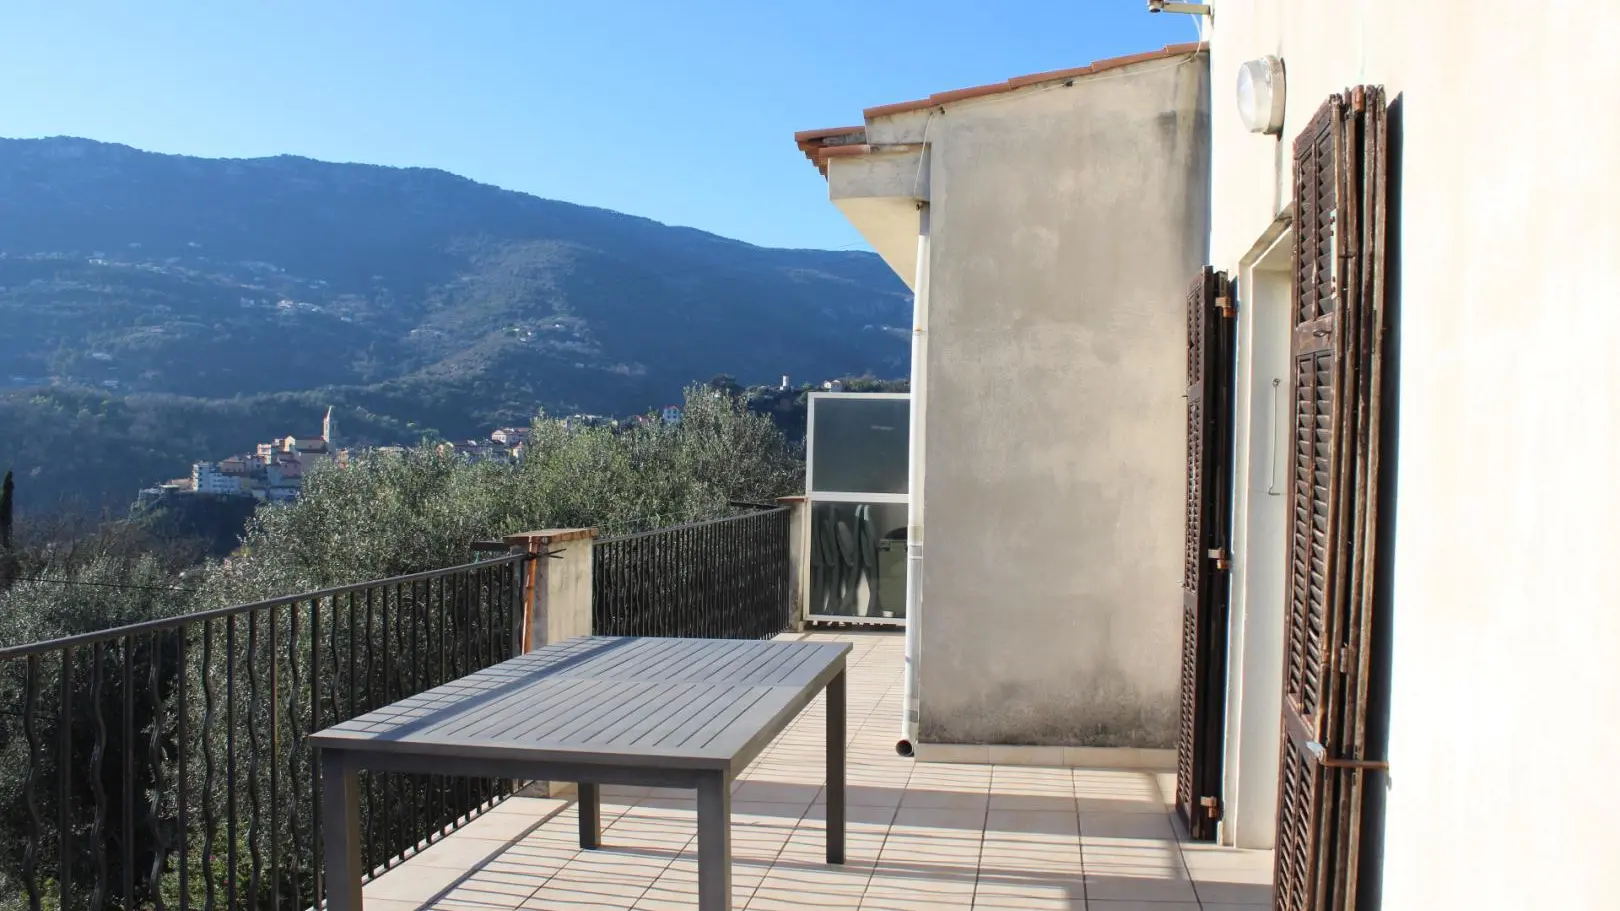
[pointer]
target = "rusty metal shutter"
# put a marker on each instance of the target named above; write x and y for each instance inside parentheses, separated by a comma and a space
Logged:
(1337, 350)
(1199, 760)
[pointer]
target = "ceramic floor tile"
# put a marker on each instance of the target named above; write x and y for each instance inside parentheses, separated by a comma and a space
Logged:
(481, 886)
(1047, 803)
(412, 881)
(949, 819)
(1231, 893)
(1141, 905)
(769, 898)
(1228, 859)
(921, 797)
(1031, 897)
(908, 902)
(1134, 888)
(1153, 826)
(1033, 822)
(392, 904)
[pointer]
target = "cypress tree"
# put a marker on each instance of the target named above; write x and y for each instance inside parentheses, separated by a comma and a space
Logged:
(7, 491)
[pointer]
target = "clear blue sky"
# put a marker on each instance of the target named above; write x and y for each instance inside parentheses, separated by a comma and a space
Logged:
(678, 110)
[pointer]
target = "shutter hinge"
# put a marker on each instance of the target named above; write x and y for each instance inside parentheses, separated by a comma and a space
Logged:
(1221, 557)
(1319, 754)
(1212, 807)
(1226, 306)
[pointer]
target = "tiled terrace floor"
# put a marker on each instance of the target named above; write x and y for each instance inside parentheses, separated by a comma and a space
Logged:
(921, 836)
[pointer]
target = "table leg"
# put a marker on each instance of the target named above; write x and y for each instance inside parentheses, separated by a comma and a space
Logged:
(340, 812)
(837, 744)
(714, 842)
(590, 815)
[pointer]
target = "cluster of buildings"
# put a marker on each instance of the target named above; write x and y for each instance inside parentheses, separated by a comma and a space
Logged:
(274, 472)
(504, 446)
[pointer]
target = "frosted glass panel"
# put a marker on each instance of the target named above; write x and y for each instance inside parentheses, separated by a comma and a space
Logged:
(858, 560)
(859, 445)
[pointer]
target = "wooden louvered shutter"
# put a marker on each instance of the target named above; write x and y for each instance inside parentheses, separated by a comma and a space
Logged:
(1337, 350)
(1204, 584)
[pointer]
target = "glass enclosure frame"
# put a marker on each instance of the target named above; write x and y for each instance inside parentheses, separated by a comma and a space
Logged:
(880, 503)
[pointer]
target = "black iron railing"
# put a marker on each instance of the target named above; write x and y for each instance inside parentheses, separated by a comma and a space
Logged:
(164, 764)
(721, 579)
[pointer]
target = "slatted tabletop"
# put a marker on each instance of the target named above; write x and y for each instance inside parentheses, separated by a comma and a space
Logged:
(671, 703)
(679, 712)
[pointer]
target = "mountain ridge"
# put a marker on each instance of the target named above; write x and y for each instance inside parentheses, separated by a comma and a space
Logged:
(415, 293)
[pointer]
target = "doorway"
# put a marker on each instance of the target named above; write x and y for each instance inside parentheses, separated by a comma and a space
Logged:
(1259, 544)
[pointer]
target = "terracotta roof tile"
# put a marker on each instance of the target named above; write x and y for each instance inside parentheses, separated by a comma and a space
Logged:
(836, 142)
(817, 145)
(828, 132)
(1017, 82)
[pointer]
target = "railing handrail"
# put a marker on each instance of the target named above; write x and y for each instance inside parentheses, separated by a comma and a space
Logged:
(704, 523)
(165, 623)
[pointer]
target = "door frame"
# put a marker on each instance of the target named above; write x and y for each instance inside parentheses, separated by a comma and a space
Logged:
(1259, 542)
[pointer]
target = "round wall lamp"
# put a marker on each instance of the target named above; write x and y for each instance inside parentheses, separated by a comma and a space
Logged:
(1260, 95)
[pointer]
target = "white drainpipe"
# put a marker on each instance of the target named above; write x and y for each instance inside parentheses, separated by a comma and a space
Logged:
(914, 508)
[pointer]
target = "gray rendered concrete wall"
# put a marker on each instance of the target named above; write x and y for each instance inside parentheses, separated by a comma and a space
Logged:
(1067, 225)
(560, 609)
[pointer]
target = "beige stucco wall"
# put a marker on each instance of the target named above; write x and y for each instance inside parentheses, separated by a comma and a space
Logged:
(1066, 226)
(1506, 618)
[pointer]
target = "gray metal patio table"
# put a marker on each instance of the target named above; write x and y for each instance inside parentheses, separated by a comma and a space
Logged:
(682, 713)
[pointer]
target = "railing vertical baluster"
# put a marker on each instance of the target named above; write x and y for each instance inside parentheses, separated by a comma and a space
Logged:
(334, 679)
(275, 758)
(255, 829)
(474, 596)
(183, 772)
(96, 774)
(36, 829)
(444, 632)
(294, 745)
(690, 614)
(210, 820)
(231, 791)
(415, 782)
(493, 627)
(98, 789)
(666, 593)
(369, 813)
(439, 780)
(128, 835)
(392, 784)
(464, 618)
(154, 763)
(354, 663)
(65, 773)
(315, 854)
(378, 782)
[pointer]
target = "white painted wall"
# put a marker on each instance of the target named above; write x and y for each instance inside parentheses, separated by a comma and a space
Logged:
(1066, 226)
(1505, 613)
